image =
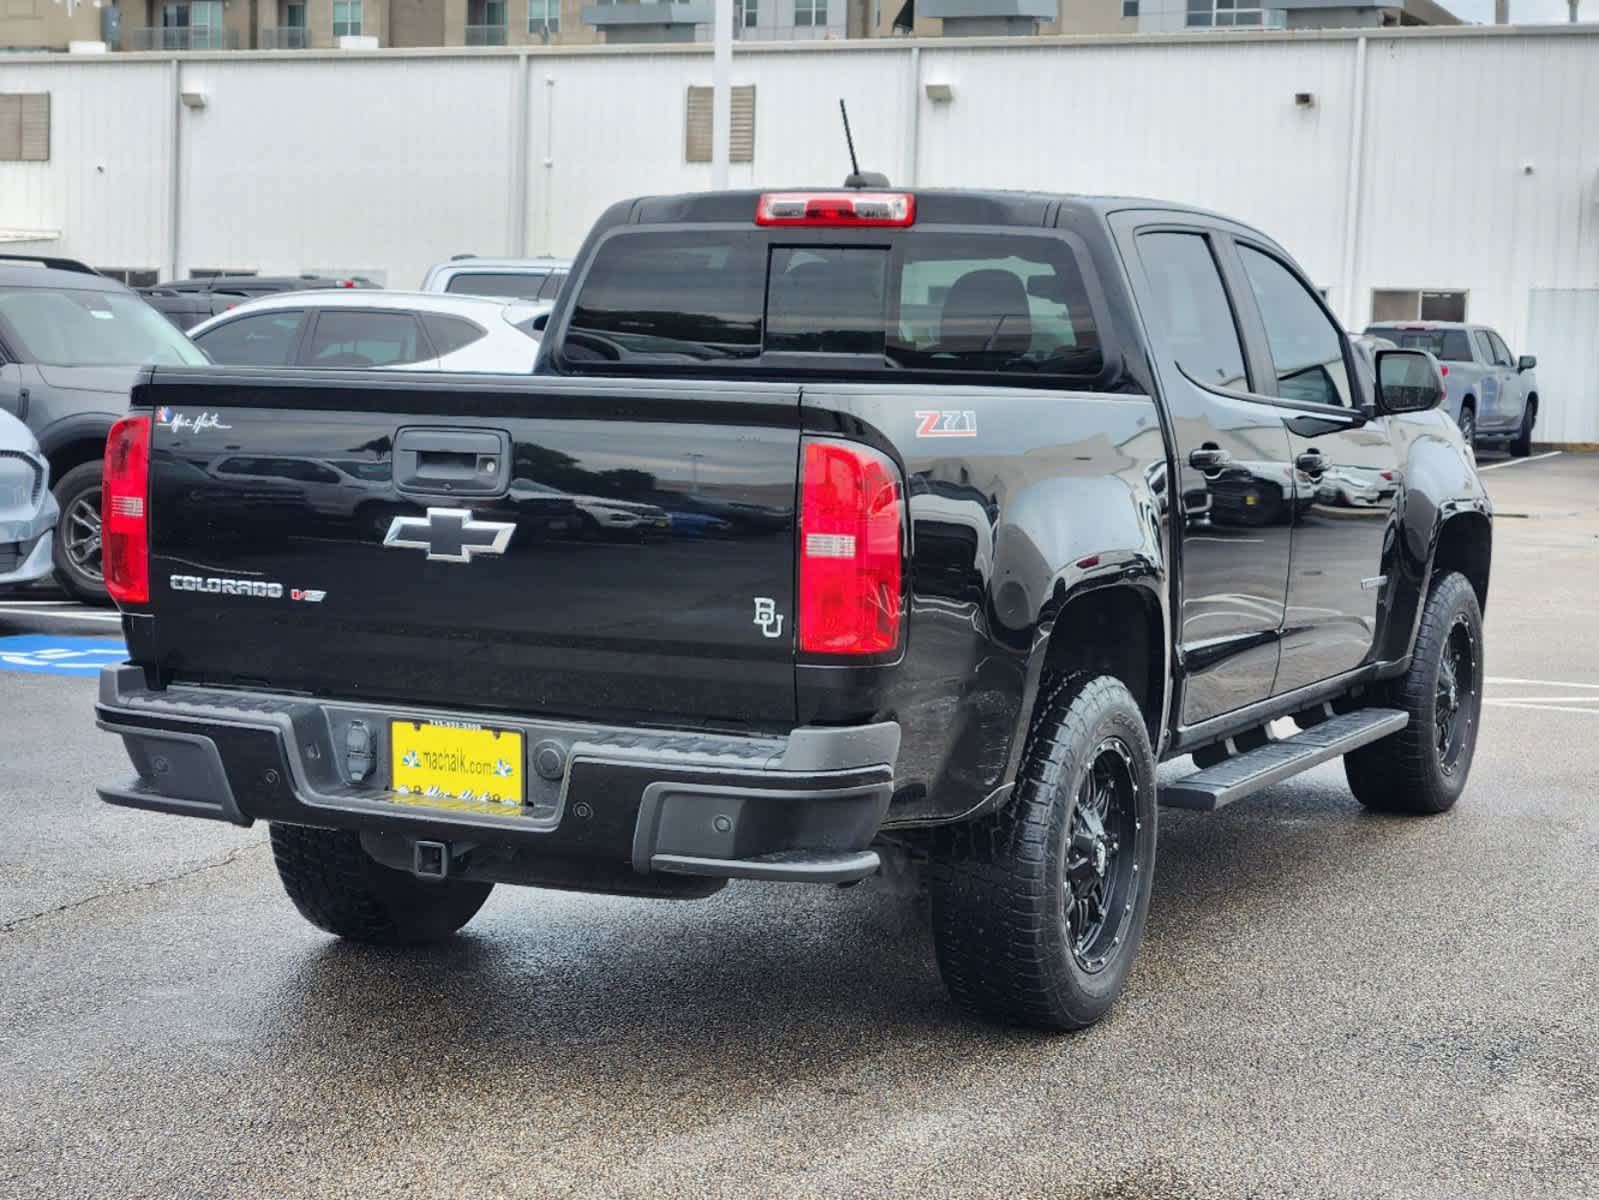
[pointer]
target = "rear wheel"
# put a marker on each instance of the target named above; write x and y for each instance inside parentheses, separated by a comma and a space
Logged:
(1468, 423)
(1423, 767)
(1521, 444)
(338, 887)
(76, 548)
(1038, 909)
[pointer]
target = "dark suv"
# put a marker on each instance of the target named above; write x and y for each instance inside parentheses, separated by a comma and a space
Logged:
(71, 344)
(187, 302)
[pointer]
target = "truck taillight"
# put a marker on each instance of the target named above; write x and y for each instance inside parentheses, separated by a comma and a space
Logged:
(852, 520)
(836, 208)
(124, 511)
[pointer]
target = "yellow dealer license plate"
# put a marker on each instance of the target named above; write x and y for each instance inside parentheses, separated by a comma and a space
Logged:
(463, 768)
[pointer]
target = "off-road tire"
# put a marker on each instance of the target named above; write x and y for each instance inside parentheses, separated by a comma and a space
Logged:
(80, 483)
(999, 886)
(338, 887)
(1407, 772)
(1521, 444)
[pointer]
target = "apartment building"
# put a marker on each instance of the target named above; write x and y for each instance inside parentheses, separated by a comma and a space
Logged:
(175, 25)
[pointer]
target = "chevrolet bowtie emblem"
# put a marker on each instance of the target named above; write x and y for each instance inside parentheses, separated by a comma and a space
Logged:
(449, 535)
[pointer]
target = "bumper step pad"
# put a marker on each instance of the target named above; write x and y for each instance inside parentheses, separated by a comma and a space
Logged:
(1246, 773)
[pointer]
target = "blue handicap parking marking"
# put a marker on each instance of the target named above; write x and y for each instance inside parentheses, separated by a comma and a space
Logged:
(49, 655)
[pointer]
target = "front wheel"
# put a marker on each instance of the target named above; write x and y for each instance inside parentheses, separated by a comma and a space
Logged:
(1423, 767)
(76, 549)
(338, 887)
(1038, 909)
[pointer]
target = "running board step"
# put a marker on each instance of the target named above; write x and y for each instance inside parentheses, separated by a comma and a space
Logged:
(1245, 773)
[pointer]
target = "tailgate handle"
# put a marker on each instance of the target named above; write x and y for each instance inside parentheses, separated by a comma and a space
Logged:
(460, 462)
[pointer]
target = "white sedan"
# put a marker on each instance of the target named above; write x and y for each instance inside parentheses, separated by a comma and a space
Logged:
(373, 329)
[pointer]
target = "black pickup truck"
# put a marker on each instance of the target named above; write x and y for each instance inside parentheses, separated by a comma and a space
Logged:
(833, 524)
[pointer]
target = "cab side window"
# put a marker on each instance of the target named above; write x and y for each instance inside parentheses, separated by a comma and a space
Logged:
(1307, 349)
(1501, 351)
(1191, 308)
(1485, 346)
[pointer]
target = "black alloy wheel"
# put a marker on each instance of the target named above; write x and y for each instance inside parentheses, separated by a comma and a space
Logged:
(1102, 856)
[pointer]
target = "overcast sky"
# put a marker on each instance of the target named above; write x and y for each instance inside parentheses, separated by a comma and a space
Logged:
(1522, 12)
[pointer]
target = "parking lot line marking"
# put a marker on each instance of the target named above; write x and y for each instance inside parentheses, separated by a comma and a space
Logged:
(1551, 699)
(1542, 707)
(1516, 462)
(60, 616)
(1555, 683)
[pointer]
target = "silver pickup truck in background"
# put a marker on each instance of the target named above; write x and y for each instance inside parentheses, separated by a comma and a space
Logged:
(1492, 394)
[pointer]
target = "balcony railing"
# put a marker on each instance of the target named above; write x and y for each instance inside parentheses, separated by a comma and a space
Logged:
(485, 35)
(188, 37)
(286, 37)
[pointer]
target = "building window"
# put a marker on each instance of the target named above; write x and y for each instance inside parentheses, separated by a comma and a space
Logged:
(346, 18)
(544, 17)
(749, 13)
(25, 127)
(294, 16)
(1129, 8)
(192, 26)
(132, 276)
(1419, 304)
(1222, 14)
(810, 13)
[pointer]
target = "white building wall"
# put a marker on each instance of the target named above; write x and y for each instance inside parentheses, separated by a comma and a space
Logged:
(393, 161)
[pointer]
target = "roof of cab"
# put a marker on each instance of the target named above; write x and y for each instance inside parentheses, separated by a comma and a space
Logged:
(934, 206)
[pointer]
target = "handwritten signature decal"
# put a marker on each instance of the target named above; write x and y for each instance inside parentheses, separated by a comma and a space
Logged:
(178, 423)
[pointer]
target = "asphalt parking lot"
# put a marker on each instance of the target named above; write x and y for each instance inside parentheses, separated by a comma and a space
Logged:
(1328, 1003)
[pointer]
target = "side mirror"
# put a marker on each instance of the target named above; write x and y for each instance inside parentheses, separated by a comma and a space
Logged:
(1526, 362)
(1408, 381)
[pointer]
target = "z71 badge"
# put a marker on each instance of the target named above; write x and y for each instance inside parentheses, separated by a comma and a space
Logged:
(948, 422)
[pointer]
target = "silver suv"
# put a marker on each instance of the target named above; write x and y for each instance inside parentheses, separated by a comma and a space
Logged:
(506, 278)
(1492, 394)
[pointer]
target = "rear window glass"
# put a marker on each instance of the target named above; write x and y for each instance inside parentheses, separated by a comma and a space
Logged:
(1450, 345)
(519, 286)
(931, 301)
(670, 296)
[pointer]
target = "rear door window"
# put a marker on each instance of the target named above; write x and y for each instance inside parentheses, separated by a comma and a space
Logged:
(449, 334)
(262, 340)
(365, 339)
(1191, 308)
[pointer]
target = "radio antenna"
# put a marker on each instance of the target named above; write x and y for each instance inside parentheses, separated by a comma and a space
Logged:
(849, 140)
(857, 177)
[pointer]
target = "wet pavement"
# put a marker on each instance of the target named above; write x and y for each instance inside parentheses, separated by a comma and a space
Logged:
(1328, 1003)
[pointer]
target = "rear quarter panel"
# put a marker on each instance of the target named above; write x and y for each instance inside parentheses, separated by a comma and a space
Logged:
(1019, 501)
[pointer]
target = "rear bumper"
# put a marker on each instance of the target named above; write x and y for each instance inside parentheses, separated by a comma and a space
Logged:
(607, 808)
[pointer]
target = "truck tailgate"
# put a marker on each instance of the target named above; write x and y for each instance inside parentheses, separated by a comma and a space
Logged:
(610, 548)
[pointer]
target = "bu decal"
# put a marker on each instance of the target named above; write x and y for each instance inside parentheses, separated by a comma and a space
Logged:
(767, 616)
(949, 422)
